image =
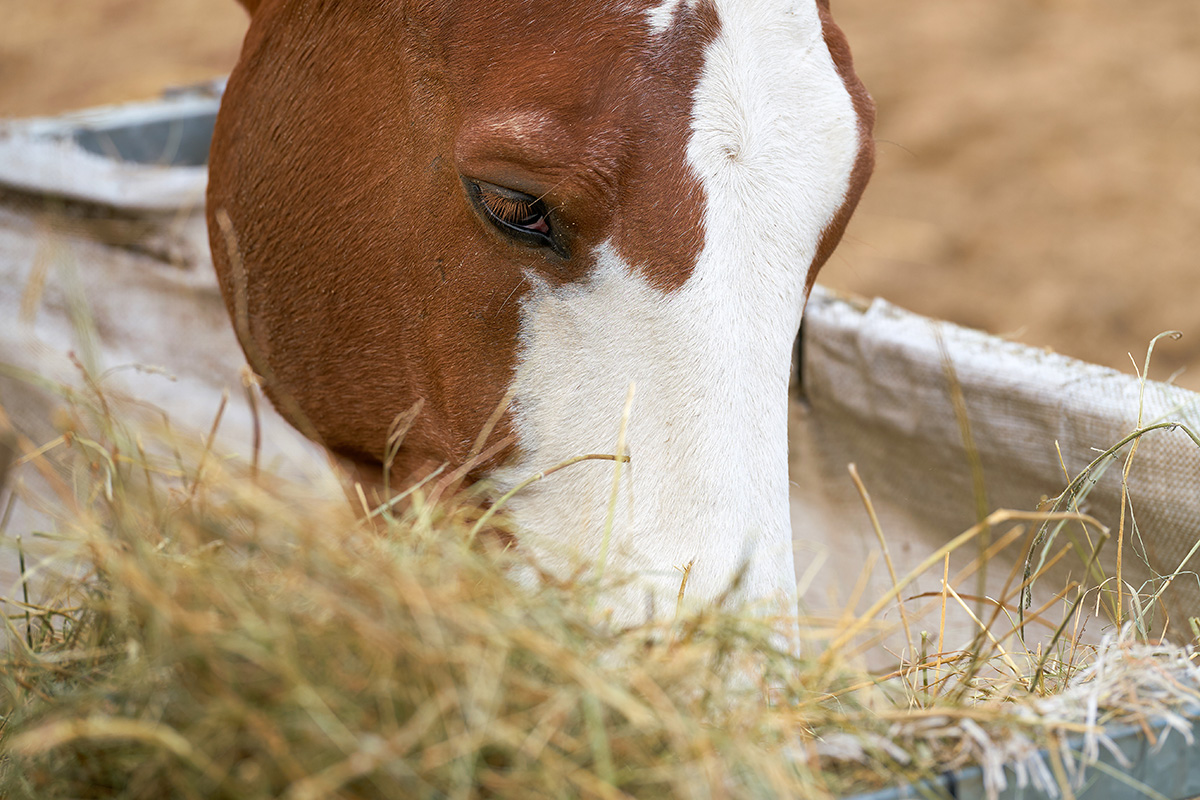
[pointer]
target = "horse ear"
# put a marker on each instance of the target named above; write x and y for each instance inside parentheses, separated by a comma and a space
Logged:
(251, 5)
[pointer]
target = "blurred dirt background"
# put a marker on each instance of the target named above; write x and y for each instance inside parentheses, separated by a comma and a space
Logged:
(1039, 160)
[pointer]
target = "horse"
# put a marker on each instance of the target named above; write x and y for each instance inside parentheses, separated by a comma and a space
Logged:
(570, 227)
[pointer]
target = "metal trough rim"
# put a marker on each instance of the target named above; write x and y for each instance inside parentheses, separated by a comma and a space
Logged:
(1168, 770)
(61, 156)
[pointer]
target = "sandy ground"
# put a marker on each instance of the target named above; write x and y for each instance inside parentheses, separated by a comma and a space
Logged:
(1039, 170)
(1039, 160)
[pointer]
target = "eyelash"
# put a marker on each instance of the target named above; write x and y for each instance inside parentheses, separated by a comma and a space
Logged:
(517, 215)
(510, 210)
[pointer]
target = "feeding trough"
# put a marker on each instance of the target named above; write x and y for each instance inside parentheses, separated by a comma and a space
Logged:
(944, 424)
(148, 156)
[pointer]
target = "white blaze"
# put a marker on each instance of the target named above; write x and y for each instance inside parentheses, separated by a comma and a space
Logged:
(774, 139)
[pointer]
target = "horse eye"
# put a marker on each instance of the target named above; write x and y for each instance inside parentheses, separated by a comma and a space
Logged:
(517, 215)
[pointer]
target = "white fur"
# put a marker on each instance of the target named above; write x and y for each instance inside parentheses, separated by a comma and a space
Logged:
(774, 139)
(661, 16)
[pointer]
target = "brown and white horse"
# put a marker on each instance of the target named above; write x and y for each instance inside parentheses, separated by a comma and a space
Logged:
(442, 202)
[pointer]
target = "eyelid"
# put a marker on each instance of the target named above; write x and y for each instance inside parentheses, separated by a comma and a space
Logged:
(507, 222)
(504, 193)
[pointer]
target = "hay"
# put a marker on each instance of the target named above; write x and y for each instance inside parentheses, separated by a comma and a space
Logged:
(235, 634)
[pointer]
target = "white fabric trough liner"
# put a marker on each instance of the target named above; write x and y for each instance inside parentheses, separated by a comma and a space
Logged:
(102, 211)
(877, 392)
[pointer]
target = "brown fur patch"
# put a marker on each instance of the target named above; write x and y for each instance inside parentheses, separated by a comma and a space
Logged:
(366, 280)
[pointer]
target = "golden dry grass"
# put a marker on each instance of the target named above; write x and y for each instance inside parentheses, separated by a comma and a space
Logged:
(220, 631)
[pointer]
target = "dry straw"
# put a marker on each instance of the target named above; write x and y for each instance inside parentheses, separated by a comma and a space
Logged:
(219, 631)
